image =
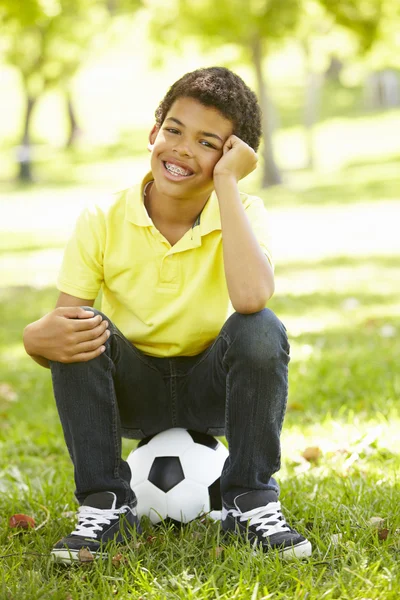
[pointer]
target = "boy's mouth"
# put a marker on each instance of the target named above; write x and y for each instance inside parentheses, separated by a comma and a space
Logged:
(176, 170)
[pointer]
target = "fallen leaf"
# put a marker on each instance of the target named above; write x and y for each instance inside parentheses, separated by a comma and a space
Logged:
(295, 406)
(376, 522)
(118, 559)
(150, 539)
(84, 555)
(21, 521)
(312, 453)
(383, 534)
(218, 551)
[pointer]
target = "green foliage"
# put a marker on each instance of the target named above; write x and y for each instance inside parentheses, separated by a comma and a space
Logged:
(367, 19)
(237, 22)
(24, 12)
(49, 50)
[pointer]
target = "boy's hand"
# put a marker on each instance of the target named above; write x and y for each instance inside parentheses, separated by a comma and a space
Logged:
(238, 159)
(67, 335)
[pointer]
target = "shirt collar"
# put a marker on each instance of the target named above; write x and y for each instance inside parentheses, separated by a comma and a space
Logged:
(208, 220)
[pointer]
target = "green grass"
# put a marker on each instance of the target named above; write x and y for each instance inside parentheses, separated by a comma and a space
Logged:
(343, 318)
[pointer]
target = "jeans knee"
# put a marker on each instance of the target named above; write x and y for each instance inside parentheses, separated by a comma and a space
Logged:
(258, 336)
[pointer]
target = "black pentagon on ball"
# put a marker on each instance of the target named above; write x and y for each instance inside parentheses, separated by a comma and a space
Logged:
(214, 493)
(204, 439)
(166, 472)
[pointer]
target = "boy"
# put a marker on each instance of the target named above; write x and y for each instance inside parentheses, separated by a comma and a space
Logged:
(170, 257)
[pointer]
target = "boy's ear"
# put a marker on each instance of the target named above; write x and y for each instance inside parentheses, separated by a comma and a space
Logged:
(152, 137)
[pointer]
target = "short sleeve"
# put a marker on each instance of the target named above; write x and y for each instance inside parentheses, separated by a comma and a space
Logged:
(81, 271)
(258, 217)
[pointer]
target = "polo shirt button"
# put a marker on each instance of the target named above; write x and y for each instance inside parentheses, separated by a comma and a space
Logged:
(169, 270)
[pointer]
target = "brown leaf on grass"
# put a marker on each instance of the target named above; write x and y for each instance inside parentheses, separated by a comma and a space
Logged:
(295, 406)
(118, 559)
(21, 521)
(85, 556)
(68, 597)
(312, 454)
(383, 533)
(150, 539)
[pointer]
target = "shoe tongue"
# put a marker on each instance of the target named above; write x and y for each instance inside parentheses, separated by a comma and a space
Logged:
(101, 500)
(255, 499)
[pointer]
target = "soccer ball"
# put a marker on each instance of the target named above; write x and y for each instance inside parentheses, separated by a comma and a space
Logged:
(176, 475)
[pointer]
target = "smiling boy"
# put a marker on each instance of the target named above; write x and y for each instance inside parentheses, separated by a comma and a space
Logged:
(174, 257)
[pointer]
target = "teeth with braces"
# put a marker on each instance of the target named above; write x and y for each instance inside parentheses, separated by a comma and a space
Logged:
(175, 170)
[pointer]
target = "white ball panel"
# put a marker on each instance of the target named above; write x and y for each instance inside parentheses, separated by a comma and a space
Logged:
(140, 461)
(172, 442)
(202, 464)
(152, 502)
(187, 500)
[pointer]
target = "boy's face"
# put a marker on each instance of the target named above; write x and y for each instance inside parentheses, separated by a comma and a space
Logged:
(186, 149)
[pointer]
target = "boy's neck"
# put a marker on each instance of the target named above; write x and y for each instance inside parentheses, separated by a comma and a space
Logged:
(172, 212)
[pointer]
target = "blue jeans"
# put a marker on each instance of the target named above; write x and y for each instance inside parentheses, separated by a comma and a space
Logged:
(237, 387)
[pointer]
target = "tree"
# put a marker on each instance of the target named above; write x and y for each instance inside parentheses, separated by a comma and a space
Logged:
(47, 46)
(255, 26)
(374, 25)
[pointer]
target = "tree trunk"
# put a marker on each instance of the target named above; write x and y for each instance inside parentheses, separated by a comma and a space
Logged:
(313, 86)
(72, 121)
(24, 151)
(271, 174)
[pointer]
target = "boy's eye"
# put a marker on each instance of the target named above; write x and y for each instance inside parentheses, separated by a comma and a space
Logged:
(207, 144)
(172, 130)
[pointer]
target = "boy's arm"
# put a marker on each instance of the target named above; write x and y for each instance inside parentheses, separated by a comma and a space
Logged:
(249, 274)
(67, 334)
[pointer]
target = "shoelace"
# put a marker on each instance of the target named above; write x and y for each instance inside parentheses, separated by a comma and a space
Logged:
(267, 517)
(92, 519)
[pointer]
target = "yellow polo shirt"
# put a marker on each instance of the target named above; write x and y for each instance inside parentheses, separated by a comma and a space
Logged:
(167, 300)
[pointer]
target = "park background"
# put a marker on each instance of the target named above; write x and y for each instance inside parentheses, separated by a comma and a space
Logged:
(79, 83)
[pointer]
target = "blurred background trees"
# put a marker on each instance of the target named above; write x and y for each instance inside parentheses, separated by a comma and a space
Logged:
(49, 42)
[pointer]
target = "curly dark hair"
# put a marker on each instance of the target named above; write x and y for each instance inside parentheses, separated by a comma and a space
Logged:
(222, 89)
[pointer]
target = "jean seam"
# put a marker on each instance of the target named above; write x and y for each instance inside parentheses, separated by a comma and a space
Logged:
(222, 335)
(173, 393)
(135, 350)
(117, 442)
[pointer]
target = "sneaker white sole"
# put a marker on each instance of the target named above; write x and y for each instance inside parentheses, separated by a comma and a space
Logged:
(302, 550)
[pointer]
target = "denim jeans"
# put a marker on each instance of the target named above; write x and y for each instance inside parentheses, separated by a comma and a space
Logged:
(237, 387)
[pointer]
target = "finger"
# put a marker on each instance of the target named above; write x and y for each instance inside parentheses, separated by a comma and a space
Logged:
(90, 334)
(92, 345)
(85, 356)
(85, 324)
(75, 312)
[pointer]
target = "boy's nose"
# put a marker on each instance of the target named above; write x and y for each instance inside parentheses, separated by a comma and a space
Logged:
(182, 148)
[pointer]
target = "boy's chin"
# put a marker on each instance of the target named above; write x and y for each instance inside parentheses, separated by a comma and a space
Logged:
(182, 188)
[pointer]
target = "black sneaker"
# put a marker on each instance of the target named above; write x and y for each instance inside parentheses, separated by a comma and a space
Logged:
(99, 522)
(257, 517)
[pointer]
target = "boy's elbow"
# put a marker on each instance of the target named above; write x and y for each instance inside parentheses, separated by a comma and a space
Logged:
(252, 304)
